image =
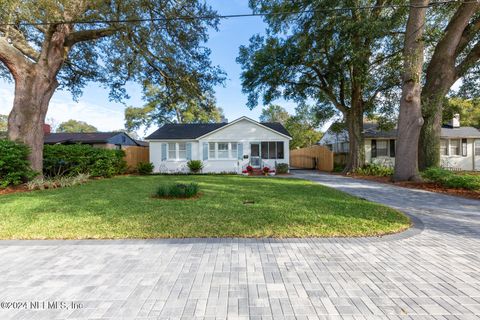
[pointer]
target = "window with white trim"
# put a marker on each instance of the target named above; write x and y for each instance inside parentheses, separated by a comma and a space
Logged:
(477, 147)
(444, 147)
(182, 151)
(382, 148)
(172, 151)
(455, 147)
(233, 150)
(211, 150)
(222, 150)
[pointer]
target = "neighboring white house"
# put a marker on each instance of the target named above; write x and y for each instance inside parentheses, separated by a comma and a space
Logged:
(459, 150)
(222, 147)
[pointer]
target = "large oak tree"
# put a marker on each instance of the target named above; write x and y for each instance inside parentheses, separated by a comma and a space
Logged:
(455, 55)
(51, 44)
(344, 61)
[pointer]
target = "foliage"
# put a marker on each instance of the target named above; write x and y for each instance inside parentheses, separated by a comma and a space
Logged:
(121, 208)
(274, 113)
(145, 168)
(469, 110)
(75, 126)
(325, 56)
(372, 169)
(167, 52)
(161, 109)
(177, 190)
(57, 182)
(195, 166)
(303, 135)
(266, 170)
(281, 168)
(249, 169)
(3, 123)
(14, 166)
(71, 160)
(450, 179)
(337, 167)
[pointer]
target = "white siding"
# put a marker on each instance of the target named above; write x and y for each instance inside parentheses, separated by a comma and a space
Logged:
(243, 131)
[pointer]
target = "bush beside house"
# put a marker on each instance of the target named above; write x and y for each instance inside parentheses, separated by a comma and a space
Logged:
(14, 166)
(69, 160)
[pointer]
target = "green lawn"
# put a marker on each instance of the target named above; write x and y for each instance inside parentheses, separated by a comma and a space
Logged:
(122, 207)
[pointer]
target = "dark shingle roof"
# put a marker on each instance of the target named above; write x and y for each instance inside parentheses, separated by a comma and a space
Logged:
(95, 137)
(371, 131)
(175, 131)
(142, 143)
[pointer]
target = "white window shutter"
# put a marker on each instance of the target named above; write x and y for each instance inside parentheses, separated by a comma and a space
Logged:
(164, 151)
(189, 151)
(205, 151)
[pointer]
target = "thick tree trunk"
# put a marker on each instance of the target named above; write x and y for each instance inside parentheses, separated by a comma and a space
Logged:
(33, 91)
(356, 155)
(439, 79)
(410, 119)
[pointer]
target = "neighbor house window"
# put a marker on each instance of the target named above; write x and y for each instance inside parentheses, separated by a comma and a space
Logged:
(182, 151)
(272, 150)
(344, 147)
(382, 148)
(443, 147)
(172, 151)
(477, 147)
(455, 147)
(464, 147)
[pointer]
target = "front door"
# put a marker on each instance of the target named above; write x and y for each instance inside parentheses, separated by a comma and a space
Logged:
(476, 155)
(255, 160)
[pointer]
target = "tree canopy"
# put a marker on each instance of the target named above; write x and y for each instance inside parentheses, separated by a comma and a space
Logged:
(3, 122)
(74, 126)
(343, 62)
(160, 109)
(468, 109)
(274, 113)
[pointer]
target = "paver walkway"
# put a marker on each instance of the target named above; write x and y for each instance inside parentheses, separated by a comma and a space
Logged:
(429, 272)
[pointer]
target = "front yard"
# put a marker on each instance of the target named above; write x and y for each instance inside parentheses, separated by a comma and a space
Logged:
(230, 206)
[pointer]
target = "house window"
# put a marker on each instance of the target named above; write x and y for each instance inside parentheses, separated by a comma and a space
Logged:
(344, 147)
(222, 150)
(172, 151)
(182, 151)
(280, 151)
(464, 147)
(455, 147)
(443, 147)
(273, 150)
(477, 147)
(382, 148)
(392, 148)
(211, 150)
(233, 150)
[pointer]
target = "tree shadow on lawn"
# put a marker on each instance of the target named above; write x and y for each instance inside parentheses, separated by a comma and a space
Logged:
(122, 207)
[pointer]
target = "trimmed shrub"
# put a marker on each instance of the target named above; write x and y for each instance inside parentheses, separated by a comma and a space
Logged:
(281, 168)
(195, 166)
(450, 179)
(71, 160)
(14, 165)
(372, 169)
(145, 168)
(177, 190)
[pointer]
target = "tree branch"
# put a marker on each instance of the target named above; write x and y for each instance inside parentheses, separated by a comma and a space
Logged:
(468, 34)
(12, 58)
(20, 43)
(472, 57)
(88, 35)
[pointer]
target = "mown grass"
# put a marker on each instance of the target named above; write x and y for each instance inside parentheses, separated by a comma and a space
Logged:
(123, 207)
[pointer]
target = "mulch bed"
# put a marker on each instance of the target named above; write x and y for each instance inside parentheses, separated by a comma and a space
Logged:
(15, 189)
(433, 187)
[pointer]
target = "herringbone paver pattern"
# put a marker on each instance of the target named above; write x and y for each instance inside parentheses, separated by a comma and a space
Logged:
(427, 273)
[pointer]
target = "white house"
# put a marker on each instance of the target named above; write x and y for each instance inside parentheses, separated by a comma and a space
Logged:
(222, 147)
(459, 150)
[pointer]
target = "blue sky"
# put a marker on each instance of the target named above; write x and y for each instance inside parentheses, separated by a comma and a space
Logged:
(94, 106)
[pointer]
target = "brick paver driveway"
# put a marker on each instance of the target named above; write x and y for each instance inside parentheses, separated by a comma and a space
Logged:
(429, 272)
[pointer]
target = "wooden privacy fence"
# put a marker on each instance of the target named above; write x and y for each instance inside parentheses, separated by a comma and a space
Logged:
(134, 155)
(314, 157)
